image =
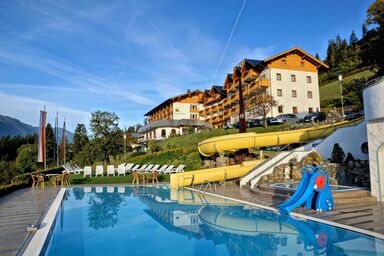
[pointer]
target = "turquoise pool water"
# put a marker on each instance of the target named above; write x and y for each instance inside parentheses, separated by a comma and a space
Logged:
(157, 220)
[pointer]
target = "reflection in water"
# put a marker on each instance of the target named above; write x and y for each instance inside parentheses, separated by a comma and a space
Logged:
(240, 229)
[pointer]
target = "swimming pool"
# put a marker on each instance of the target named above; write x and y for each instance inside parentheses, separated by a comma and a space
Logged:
(293, 186)
(146, 220)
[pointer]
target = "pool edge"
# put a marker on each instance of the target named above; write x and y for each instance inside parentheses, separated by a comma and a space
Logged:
(299, 215)
(37, 242)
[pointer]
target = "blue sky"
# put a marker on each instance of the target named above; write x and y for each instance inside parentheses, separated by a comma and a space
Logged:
(127, 56)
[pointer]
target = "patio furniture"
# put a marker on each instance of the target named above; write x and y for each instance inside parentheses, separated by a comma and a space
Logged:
(87, 171)
(168, 169)
(40, 180)
(128, 167)
(142, 167)
(99, 170)
(110, 170)
(153, 176)
(143, 177)
(135, 168)
(34, 180)
(135, 177)
(65, 179)
(149, 167)
(120, 169)
(180, 168)
(154, 168)
(162, 168)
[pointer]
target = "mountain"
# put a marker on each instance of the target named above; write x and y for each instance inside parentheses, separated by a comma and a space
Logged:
(13, 127)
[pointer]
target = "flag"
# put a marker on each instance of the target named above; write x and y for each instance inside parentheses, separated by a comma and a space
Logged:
(55, 156)
(41, 153)
(63, 144)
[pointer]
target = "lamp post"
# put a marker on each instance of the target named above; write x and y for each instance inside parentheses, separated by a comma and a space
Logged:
(125, 145)
(341, 94)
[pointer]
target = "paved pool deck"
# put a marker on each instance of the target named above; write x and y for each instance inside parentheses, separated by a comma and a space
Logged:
(19, 209)
(367, 216)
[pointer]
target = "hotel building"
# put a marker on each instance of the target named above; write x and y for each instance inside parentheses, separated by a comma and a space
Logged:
(291, 77)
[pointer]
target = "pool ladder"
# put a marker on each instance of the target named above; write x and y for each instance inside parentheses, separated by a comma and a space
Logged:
(203, 187)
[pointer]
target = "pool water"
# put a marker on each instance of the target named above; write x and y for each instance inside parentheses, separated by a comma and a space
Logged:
(147, 220)
(293, 186)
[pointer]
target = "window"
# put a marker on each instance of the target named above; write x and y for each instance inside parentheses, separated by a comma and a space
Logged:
(278, 76)
(193, 106)
(301, 63)
(173, 132)
(283, 62)
(163, 133)
(294, 110)
(309, 95)
(310, 110)
(280, 109)
(294, 94)
(193, 116)
(279, 92)
(309, 79)
(293, 78)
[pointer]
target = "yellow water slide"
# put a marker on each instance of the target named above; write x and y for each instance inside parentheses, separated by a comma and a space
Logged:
(235, 142)
(238, 141)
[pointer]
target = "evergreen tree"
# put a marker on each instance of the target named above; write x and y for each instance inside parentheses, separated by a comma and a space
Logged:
(375, 16)
(337, 154)
(317, 56)
(80, 139)
(49, 143)
(364, 30)
(353, 38)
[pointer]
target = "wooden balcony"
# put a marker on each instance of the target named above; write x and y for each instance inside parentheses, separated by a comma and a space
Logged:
(249, 75)
(212, 99)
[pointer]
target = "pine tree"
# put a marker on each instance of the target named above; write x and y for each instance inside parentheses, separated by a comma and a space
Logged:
(353, 38)
(317, 56)
(80, 139)
(337, 154)
(49, 138)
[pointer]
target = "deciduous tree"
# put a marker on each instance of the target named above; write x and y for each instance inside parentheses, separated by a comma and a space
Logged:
(263, 103)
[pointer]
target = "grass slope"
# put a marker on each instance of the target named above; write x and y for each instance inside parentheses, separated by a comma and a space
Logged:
(331, 90)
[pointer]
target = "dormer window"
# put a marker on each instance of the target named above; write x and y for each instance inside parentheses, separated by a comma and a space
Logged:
(283, 62)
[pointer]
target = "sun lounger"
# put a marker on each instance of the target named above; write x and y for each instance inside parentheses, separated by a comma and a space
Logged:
(110, 170)
(180, 168)
(135, 168)
(162, 168)
(154, 168)
(88, 171)
(99, 170)
(142, 168)
(120, 170)
(169, 169)
(149, 167)
(128, 167)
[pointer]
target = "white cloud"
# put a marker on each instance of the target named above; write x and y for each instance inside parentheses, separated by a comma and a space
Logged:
(27, 110)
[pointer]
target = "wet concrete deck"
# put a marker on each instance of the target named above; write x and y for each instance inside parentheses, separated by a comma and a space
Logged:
(19, 209)
(367, 215)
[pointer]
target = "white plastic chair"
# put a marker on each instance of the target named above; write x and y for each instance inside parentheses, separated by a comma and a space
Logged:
(162, 168)
(110, 170)
(142, 168)
(149, 167)
(120, 169)
(99, 170)
(87, 171)
(169, 169)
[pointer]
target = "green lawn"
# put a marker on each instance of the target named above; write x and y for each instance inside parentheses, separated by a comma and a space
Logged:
(79, 179)
(331, 90)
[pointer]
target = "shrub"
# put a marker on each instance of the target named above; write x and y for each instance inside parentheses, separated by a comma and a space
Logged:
(26, 158)
(193, 161)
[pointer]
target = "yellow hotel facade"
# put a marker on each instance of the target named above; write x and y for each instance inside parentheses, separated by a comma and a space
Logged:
(291, 77)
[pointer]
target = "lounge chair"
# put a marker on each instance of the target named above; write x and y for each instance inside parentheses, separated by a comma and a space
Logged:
(149, 167)
(142, 168)
(136, 177)
(128, 167)
(169, 169)
(110, 170)
(87, 171)
(99, 170)
(154, 168)
(135, 168)
(120, 169)
(162, 168)
(180, 168)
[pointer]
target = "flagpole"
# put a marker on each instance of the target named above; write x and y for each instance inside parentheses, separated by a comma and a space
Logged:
(57, 135)
(45, 148)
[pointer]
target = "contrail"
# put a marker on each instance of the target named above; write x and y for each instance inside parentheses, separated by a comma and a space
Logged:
(230, 36)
